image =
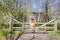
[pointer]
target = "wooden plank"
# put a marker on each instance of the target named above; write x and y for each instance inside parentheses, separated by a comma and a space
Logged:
(37, 23)
(45, 27)
(19, 28)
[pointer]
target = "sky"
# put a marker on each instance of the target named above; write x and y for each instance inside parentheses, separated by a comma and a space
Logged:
(35, 4)
(40, 4)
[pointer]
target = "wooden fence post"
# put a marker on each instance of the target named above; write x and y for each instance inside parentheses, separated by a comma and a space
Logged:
(11, 27)
(55, 26)
(45, 28)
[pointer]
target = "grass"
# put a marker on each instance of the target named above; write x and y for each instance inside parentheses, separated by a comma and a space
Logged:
(55, 33)
(17, 32)
(58, 32)
(5, 32)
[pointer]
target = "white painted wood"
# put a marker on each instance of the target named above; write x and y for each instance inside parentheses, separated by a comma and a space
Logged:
(45, 27)
(53, 21)
(47, 23)
(11, 23)
(55, 25)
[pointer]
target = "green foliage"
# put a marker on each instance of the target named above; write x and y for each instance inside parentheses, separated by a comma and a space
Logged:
(49, 29)
(5, 25)
(7, 32)
(17, 25)
(1, 33)
(58, 26)
(4, 33)
(50, 25)
(21, 32)
(18, 32)
(3, 8)
(19, 16)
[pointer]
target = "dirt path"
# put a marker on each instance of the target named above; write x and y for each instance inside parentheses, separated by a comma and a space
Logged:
(34, 37)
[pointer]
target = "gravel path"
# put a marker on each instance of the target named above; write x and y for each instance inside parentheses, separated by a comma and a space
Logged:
(34, 37)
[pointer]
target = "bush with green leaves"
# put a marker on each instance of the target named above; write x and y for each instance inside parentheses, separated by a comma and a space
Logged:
(17, 25)
(58, 26)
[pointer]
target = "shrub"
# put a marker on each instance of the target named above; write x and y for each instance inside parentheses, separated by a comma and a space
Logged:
(17, 25)
(58, 26)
